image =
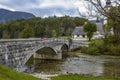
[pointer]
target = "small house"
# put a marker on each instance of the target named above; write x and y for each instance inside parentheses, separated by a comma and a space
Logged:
(79, 34)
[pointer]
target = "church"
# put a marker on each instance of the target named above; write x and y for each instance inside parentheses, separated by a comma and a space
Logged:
(79, 34)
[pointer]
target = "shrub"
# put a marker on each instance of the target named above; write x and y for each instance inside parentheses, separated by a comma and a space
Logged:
(112, 49)
(84, 49)
(93, 51)
(100, 47)
(110, 39)
(96, 47)
(90, 50)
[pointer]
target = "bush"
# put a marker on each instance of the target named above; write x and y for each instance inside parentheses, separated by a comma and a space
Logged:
(84, 49)
(112, 49)
(93, 51)
(90, 50)
(95, 47)
(110, 39)
(100, 47)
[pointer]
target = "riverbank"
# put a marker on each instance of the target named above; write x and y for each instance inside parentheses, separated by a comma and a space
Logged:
(9, 74)
(44, 76)
(81, 77)
(79, 54)
(72, 77)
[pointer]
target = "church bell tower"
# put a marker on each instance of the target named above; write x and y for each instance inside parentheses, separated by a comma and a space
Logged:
(107, 7)
(108, 4)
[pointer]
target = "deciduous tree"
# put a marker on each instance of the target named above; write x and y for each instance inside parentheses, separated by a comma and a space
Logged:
(27, 32)
(89, 28)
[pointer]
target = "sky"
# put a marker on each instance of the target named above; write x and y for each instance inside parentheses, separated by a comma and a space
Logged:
(33, 5)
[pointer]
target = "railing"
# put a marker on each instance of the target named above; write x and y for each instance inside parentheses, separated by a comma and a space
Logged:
(24, 39)
(30, 39)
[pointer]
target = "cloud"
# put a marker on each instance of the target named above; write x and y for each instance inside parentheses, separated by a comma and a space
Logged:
(81, 5)
(63, 3)
(20, 4)
(38, 3)
(29, 5)
(25, 4)
(6, 7)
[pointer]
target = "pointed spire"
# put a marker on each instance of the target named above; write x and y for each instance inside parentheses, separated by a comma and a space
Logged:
(97, 19)
(108, 3)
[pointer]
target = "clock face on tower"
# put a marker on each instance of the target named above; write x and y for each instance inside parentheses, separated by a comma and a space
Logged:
(108, 3)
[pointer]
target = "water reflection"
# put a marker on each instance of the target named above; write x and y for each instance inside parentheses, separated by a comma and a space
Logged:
(90, 65)
(83, 66)
(47, 66)
(112, 68)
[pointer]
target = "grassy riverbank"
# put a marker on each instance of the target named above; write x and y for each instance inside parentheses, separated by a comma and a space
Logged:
(80, 77)
(8, 74)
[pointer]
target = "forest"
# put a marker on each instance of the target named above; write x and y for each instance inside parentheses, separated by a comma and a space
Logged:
(39, 27)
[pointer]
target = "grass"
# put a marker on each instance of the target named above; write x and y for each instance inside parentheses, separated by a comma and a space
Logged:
(64, 37)
(80, 77)
(8, 74)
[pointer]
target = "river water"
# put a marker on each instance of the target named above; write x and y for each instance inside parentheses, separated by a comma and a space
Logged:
(82, 64)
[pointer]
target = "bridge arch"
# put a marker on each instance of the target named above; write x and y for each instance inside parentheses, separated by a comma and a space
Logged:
(45, 53)
(64, 48)
(46, 50)
(51, 52)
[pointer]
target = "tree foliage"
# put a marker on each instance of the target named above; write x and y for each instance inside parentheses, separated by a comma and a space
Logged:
(27, 32)
(39, 27)
(90, 28)
(114, 21)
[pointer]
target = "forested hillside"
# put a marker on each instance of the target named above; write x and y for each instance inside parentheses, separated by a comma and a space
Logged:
(6, 15)
(39, 27)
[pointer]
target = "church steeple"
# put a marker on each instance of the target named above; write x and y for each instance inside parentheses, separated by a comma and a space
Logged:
(108, 3)
(107, 7)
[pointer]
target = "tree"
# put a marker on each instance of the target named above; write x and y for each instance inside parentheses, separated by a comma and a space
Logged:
(100, 7)
(114, 21)
(38, 27)
(5, 35)
(67, 26)
(106, 30)
(79, 21)
(27, 32)
(89, 28)
(54, 33)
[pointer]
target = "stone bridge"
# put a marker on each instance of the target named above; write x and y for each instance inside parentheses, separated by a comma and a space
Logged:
(16, 52)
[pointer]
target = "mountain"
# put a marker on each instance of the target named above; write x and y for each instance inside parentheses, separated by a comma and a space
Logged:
(6, 15)
(51, 11)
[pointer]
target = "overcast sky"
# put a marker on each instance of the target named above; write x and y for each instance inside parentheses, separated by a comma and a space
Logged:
(28, 5)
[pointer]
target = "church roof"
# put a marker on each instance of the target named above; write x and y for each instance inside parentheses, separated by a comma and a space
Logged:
(78, 31)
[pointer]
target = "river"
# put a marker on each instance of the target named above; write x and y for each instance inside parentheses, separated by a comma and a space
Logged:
(81, 64)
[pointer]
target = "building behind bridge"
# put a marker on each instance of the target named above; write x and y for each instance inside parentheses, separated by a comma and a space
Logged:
(79, 34)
